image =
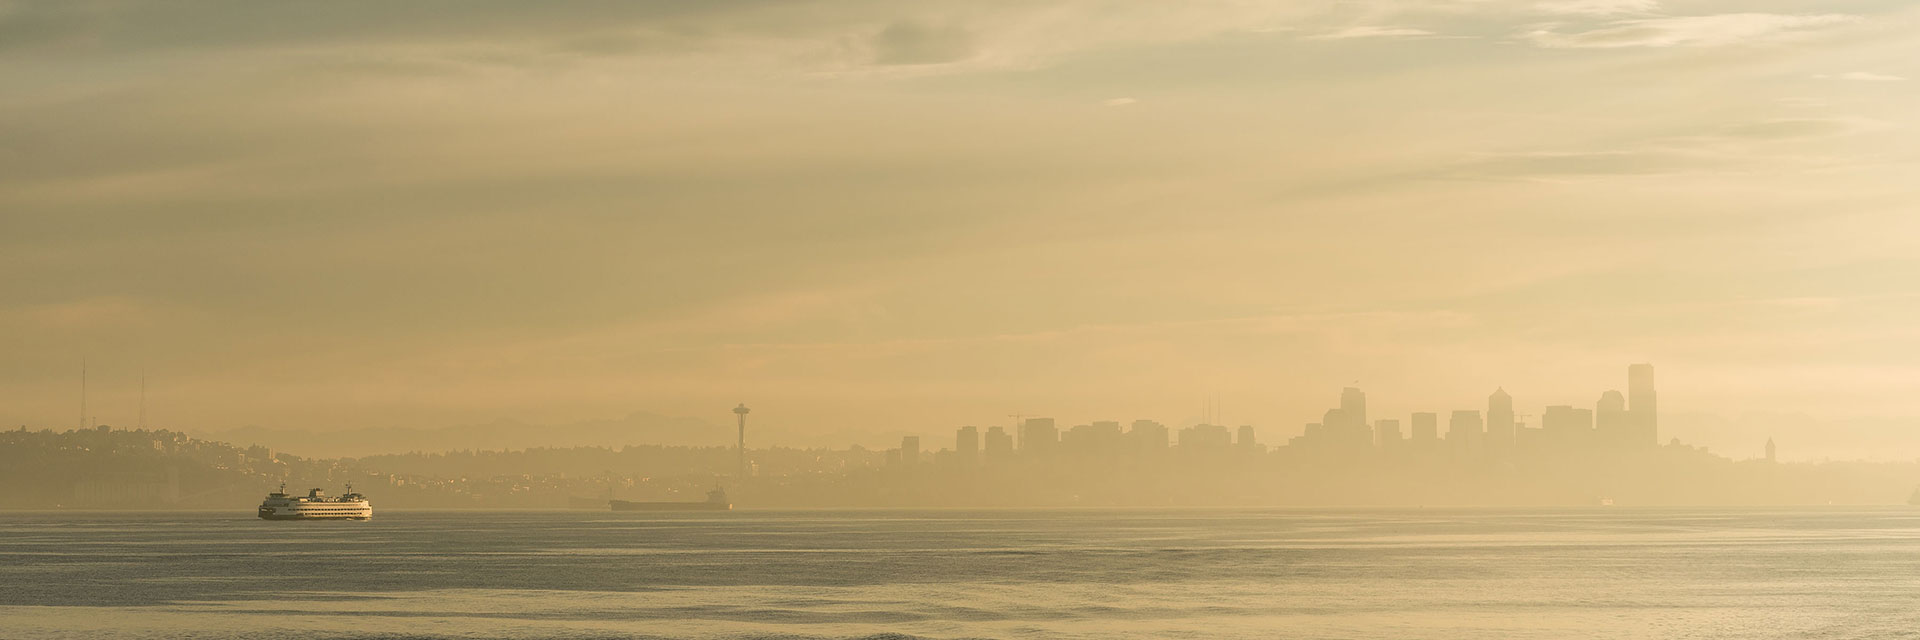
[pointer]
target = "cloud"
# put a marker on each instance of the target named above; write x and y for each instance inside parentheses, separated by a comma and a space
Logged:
(1789, 128)
(1118, 102)
(1867, 76)
(1599, 7)
(1721, 148)
(88, 312)
(1686, 31)
(1350, 33)
(908, 43)
(1565, 164)
(903, 38)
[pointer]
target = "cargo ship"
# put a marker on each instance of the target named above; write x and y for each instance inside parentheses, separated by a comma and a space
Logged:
(315, 506)
(716, 501)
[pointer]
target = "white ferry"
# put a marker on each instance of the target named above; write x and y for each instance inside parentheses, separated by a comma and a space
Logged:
(315, 506)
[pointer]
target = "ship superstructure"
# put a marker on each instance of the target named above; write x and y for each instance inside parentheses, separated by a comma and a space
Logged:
(316, 505)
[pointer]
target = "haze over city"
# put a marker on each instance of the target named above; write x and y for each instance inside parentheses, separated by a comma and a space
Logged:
(875, 219)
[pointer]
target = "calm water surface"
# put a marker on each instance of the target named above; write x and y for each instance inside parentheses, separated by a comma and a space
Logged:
(1597, 573)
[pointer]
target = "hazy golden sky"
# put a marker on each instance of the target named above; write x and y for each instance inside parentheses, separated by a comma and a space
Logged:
(916, 215)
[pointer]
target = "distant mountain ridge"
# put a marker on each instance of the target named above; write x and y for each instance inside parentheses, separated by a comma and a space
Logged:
(636, 428)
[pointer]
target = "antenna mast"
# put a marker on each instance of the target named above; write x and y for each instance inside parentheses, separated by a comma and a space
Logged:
(83, 393)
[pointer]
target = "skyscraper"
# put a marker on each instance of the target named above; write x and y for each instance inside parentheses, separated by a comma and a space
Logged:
(1315, 435)
(1464, 429)
(910, 450)
(998, 444)
(1338, 422)
(1567, 427)
(1245, 439)
(1643, 406)
(966, 445)
(1205, 438)
(1353, 403)
(1101, 438)
(1426, 429)
(1499, 422)
(1611, 424)
(1038, 435)
(1387, 432)
(1148, 436)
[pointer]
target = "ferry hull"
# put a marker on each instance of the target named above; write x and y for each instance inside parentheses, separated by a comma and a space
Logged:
(280, 516)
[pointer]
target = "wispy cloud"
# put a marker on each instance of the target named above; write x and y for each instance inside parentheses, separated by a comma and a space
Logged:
(1792, 128)
(1568, 164)
(1118, 102)
(1739, 146)
(1600, 7)
(1371, 32)
(910, 43)
(1866, 76)
(1686, 31)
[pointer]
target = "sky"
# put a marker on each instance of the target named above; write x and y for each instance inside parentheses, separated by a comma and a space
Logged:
(887, 216)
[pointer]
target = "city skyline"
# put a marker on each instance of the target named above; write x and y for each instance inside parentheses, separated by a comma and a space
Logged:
(1533, 419)
(1622, 425)
(1609, 454)
(126, 402)
(1407, 417)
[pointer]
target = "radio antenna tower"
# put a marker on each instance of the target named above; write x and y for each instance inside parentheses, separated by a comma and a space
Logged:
(83, 393)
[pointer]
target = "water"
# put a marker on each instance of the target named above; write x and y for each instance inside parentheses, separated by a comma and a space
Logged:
(1594, 573)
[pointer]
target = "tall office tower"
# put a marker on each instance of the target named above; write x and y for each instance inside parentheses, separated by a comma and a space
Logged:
(1464, 429)
(998, 444)
(1643, 405)
(1337, 423)
(1612, 427)
(1206, 437)
(1148, 436)
(966, 445)
(910, 450)
(1567, 427)
(1104, 438)
(1071, 439)
(1387, 432)
(1245, 438)
(1315, 434)
(1769, 449)
(1426, 428)
(1038, 435)
(1354, 403)
(1499, 422)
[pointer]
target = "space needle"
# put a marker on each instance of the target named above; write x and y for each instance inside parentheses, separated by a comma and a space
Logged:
(741, 411)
